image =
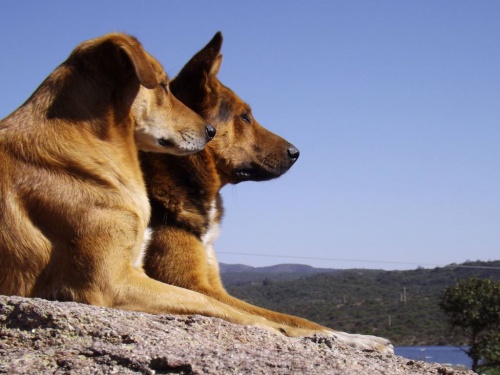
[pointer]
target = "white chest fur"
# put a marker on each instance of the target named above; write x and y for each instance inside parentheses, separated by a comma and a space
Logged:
(138, 197)
(138, 262)
(211, 234)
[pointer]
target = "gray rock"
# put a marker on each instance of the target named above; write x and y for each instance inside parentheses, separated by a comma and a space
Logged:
(44, 337)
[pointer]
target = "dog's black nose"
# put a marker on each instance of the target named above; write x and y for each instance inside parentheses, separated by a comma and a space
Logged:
(210, 130)
(293, 153)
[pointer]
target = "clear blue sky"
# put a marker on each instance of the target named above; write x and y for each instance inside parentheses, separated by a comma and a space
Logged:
(394, 105)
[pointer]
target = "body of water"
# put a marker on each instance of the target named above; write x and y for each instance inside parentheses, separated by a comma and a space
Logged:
(450, 355)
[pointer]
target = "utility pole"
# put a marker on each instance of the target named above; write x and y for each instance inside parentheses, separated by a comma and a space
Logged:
(402, 296)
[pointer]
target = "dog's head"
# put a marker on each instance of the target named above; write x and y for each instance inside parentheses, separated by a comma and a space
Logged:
(243, 149)
(162, 122)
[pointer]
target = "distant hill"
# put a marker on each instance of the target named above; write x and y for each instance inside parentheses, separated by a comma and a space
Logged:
(278, 268)
(240, 274)
(400, 305)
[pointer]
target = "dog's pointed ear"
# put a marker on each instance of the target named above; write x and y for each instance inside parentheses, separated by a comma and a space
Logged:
(193, 83)
(205, 63)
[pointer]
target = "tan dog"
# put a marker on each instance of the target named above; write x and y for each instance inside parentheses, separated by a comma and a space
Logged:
(73, 205)
(73, 202)
(185, 191)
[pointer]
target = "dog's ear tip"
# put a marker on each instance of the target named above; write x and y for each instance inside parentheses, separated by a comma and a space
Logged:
(217, 40)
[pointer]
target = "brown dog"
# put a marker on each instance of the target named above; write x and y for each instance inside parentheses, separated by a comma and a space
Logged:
(73, 202)
(73, 205)
(185, 191)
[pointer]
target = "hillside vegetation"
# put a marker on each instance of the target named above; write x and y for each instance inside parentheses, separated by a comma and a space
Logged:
(399, 305)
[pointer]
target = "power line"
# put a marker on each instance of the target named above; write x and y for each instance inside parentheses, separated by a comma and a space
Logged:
(360, 260)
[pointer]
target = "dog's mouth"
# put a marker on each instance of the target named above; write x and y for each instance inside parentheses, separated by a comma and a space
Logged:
(173, 148)
(165, 142)
(243, 175)
(255, 173)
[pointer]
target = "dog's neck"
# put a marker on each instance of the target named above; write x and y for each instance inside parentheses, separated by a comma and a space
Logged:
(181, 189)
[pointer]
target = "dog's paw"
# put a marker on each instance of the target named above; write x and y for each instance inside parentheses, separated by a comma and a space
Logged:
(364, 342)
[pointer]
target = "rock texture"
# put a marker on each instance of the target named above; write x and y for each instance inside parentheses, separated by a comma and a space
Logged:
(43, 337)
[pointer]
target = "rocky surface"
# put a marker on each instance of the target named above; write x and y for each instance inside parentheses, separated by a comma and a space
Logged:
(42, 337)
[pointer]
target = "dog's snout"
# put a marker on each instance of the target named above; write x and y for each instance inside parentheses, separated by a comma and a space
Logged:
(293, 153)
(210, 130)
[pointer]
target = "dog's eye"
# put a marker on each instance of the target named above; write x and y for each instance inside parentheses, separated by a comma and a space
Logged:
(164, 86)
(246, 117)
